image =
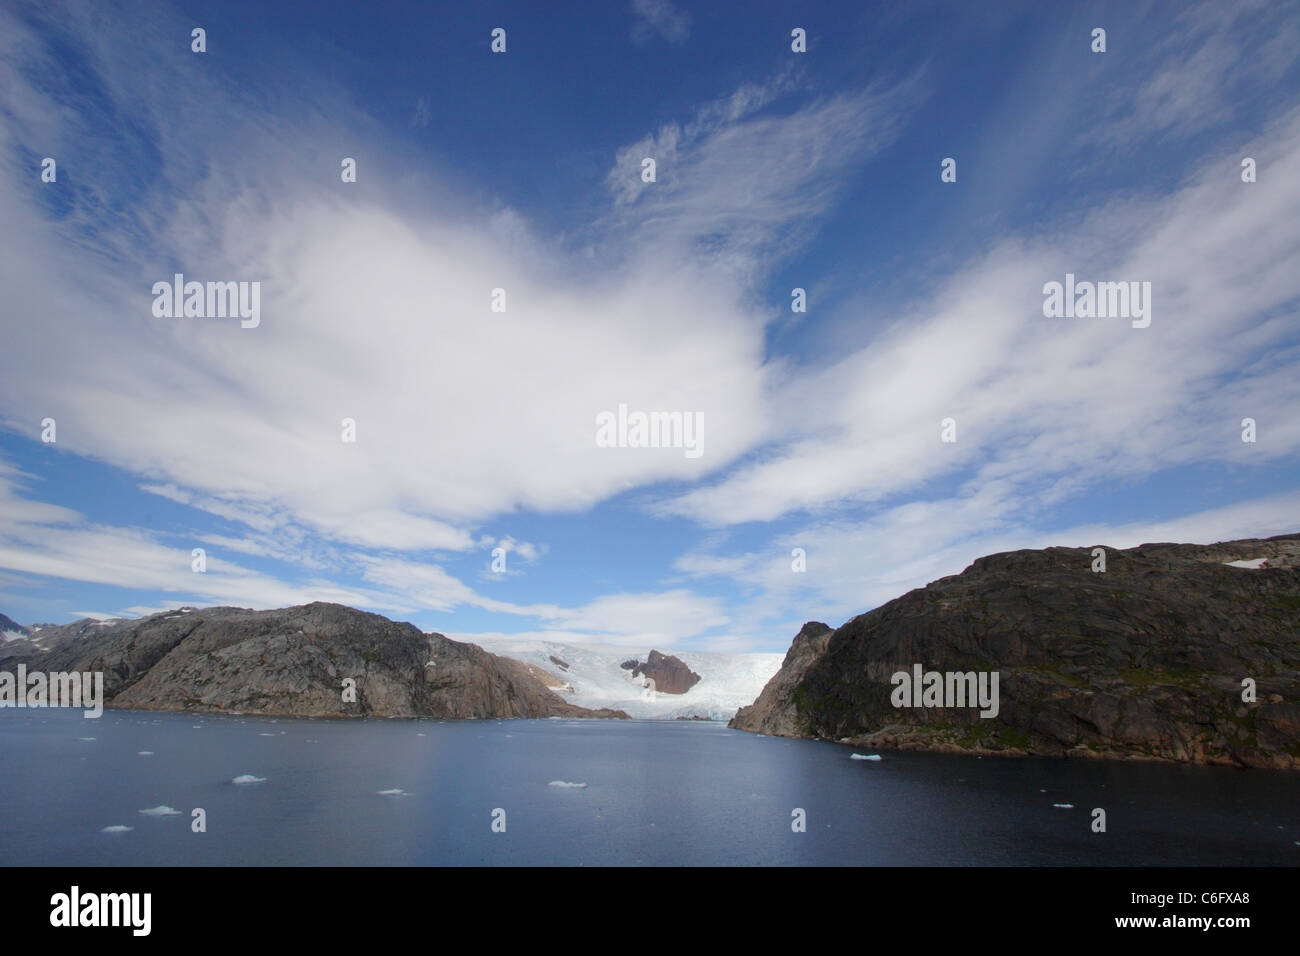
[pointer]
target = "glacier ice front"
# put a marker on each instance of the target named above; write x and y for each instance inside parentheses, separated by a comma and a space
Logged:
(590, 675)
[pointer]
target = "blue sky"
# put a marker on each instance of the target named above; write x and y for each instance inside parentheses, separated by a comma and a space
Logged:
(521, 170)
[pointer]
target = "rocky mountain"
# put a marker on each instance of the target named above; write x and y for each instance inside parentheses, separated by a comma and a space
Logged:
(670, 674)
(11, 630)
(292, 661)
(1145, 659)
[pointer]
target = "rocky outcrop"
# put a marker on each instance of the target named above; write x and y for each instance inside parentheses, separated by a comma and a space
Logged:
(1144, 660)
(295, 661)
(670, 674)
(773, 712)
(11, 630)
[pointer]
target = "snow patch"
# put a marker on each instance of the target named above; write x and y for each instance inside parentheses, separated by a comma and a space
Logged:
(1254, 564)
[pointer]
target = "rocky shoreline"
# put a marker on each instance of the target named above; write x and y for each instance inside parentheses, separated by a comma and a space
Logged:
(1175, 652)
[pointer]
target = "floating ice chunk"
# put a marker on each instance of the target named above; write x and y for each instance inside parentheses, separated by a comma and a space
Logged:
(160, 811)
(395, 792)
(1253, 564)
(266, 735)
(116, 828)
(865, 757)
(1064, 806)
(248, 778)
(565, 783)
(86, 738)
(419, 735)
(144, 753)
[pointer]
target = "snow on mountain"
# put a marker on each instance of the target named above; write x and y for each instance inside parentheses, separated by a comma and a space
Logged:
(11, 630)
(594, 679)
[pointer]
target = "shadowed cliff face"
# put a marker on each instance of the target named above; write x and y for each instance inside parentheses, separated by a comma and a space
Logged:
(294, 661)
(1144, 660)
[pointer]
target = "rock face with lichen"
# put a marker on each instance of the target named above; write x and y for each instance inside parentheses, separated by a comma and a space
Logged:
(1145, 660)
(294, 661)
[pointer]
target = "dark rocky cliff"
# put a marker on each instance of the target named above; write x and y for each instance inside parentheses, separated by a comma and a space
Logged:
(1145, 660)
(293, 661)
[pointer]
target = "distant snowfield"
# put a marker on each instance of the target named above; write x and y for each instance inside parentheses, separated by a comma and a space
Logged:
(594, 679)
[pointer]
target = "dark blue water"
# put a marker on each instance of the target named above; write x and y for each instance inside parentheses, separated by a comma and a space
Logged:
(658, 793)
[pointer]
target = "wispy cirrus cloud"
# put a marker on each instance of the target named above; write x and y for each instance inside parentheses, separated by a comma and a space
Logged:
(659, 18)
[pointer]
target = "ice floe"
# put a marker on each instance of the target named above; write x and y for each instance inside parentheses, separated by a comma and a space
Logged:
(160, 811)
(395, 792)
(1064, 806)
(116, 828)
(565, 783)
(248, 778)
(865, 757)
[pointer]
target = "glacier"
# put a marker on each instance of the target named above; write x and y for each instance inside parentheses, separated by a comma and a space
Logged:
(594, 678)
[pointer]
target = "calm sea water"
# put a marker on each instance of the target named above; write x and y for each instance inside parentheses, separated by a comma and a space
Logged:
(657, 793)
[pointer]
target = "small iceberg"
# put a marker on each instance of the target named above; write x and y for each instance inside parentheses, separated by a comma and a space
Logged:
(865, 757)
(116, 828)
(248, 778)
(144, 753)
(395, 792)
(1064, 806)
(86, 738)
(160, 811)
(565, 783)
(266, 735)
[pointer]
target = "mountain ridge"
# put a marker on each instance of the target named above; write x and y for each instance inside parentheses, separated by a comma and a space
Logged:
(292, 662)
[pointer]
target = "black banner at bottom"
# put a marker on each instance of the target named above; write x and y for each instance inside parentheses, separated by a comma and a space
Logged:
(342, 905)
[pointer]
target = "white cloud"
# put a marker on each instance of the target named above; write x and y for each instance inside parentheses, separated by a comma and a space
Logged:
(659, 18)
(1039, 401)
